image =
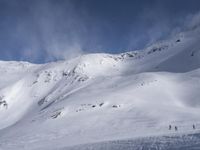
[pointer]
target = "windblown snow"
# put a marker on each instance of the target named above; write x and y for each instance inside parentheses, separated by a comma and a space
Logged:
(102, 97)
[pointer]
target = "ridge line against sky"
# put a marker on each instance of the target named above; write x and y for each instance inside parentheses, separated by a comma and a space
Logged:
(48, 30)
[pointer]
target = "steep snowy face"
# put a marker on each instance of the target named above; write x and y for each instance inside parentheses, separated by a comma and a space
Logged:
(187, 56)
(179, 54)
(98, 97)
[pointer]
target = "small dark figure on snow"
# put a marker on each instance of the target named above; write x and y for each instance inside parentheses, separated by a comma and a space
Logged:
(193, 126)
(176, 128)
(170, 127)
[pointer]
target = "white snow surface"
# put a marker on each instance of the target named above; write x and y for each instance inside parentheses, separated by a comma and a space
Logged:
(102, 97)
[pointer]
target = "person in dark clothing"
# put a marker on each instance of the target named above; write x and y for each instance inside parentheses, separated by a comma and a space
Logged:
(170, 127)
(176, 128)
(193, 126)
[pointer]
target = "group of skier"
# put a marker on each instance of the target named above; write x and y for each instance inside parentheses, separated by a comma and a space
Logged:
(176, 128)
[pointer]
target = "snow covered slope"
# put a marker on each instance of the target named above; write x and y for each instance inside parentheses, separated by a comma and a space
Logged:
(102, 97)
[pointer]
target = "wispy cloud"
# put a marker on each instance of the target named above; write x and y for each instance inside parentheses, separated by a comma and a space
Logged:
(192, 20)
(156, 23)
(48, 30)
(51, 30)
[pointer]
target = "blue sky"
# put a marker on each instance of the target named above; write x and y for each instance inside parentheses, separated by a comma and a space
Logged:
(40, 31)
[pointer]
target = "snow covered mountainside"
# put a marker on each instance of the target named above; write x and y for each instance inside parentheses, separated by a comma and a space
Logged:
(102, 97)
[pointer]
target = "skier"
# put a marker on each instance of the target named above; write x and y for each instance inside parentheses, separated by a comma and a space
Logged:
(176, 128)
(193, 126)
(170, 127)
